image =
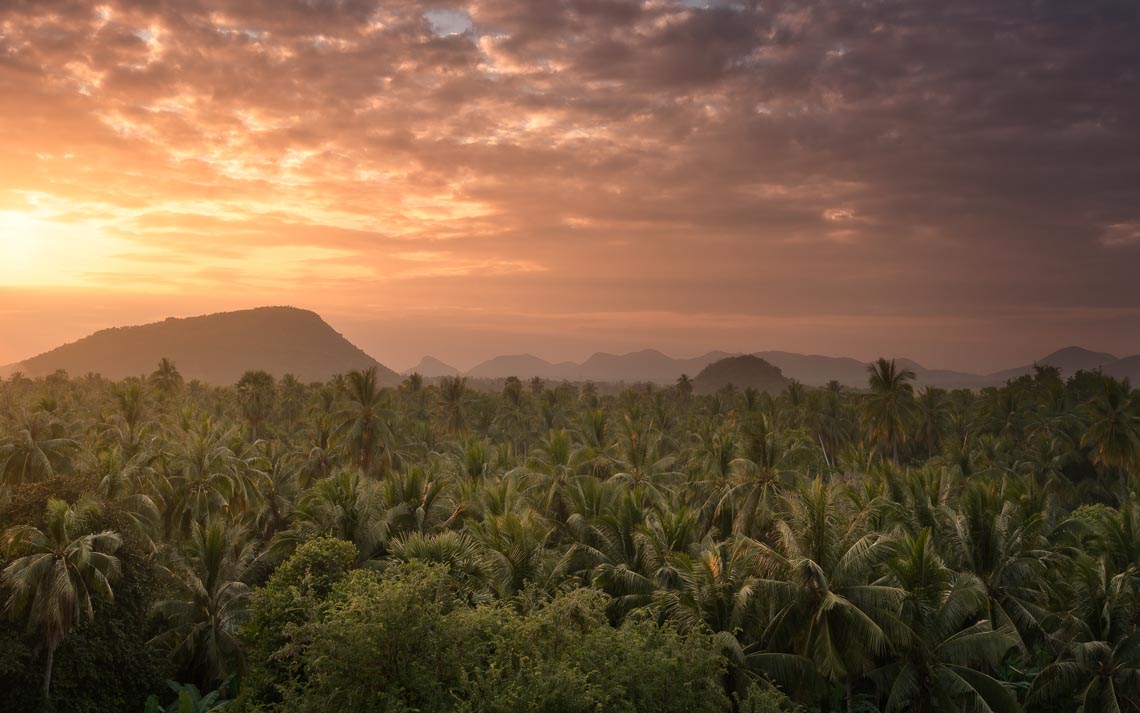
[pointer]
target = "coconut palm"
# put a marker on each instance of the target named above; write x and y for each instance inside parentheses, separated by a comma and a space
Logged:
(1095, 675)
(256, 393)
(365, 422)
(203, 476)
(39, 450)
(208, 602)
(887, 410)
(166, 378)
(719, 592)
(552, 464)
(346, 505)
(939, 662)
(58, 572)
(1007, 554)
(1113, 431)
(821, 573)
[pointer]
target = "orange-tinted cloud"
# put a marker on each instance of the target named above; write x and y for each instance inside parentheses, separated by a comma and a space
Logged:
(955, 183)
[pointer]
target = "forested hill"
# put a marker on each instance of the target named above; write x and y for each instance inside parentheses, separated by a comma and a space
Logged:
(743, 372)
(216, 349)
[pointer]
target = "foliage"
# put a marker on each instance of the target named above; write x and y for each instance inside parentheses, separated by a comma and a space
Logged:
(456, 545)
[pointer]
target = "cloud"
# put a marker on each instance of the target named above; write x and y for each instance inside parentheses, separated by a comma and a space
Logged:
(778, 159)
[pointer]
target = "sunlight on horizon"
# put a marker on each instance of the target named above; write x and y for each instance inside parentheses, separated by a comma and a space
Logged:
(41, 251)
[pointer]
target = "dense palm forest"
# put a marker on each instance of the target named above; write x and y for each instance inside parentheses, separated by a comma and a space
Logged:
(283, 546)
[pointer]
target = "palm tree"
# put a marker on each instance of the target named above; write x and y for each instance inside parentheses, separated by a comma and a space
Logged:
(552, 464)
(38, 451)
(208, 604)
(1113, 430)
(465, 558)
(516, 553)
(292, 401)
(1100, 676)
(365, 423)
(821, 571)
(1005, 553)
(937, 662)
(684, 387)
(642, 463)
(203, 476)
(719, 592)
(346, 505)
(889, 406)
(933, 412)
(166, 378)
(453, 394)
(256, 393)
(57, 573)
(768, 461)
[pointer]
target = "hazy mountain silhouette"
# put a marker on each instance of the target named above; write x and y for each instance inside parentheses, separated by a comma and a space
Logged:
(523, 366)
(218, 348)
(809, 369)
(744, 371)
(1073, 359)
(816, 370)
(430, 367)
(645, 365)
(1126, 368)
(215, 348)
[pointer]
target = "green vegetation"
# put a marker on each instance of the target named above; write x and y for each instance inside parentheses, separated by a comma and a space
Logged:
(283, 546)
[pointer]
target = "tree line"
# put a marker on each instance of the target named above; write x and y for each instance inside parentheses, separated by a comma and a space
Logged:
(284, 546)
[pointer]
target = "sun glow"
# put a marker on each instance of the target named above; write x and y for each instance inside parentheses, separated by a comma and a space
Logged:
(19, 247)
(43, 250)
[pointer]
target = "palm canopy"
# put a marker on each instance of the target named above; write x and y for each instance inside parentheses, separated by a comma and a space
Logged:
(942, 655)
(58, 572)
(39, 450)
(821, 577)
(889, 408)
(209, 602)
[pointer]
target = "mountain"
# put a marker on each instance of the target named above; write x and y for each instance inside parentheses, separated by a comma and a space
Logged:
(744, 371)
(1126, 368)
(430, 368)
(809, 369)
(942, 378)
(524, 366)
(646, 365)
(816, 370)
(216, 348)
(1071, 360)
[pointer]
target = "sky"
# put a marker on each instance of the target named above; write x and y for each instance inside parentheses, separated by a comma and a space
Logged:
(954, 182)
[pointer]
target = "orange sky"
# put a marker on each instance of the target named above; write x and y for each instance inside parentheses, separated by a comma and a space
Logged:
(467, 179)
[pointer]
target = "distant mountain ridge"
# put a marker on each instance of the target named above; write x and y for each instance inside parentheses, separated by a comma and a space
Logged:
(650, 365)
(1073, 359)
(219, 348)
(215, 349)
(431, 368)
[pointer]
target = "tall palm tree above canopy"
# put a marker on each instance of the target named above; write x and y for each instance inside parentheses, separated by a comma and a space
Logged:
(888, 409)
(365, 421)
(166, 378)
